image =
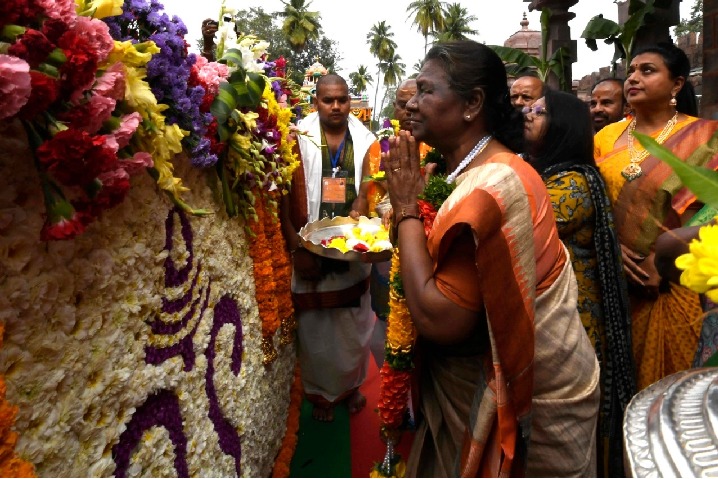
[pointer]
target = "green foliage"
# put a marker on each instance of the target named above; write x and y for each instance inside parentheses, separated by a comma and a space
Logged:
(456, 24)
(400, 361)
(703, 182)
(267, 26)
(360, 79)
(382, 46)
(300, 25)
(428, 17)
(694, 23)
(622, 37)
(437, 190)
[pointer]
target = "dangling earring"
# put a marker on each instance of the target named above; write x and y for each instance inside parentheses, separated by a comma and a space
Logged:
(673, 101)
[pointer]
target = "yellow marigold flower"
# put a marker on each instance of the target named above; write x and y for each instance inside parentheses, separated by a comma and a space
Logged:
(99, 8)
(700, 265)
(395, 125)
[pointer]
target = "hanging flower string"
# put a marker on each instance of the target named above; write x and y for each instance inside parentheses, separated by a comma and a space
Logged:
(289, 442)
(401, 336)
(265, 285)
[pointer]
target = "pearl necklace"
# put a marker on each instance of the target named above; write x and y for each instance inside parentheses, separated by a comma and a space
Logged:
(480, 146)
(633, 169)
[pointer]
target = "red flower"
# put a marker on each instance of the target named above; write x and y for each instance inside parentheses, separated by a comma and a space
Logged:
(428, 214)
(19, 12)
(63, 229)
(115, 185)
(53, 29)
(280, 67)
(76, 158)
(32, 46)
(81, 65)
(63, 221)
(44, 93)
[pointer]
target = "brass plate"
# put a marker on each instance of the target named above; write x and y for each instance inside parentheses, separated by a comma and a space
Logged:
(312, 235)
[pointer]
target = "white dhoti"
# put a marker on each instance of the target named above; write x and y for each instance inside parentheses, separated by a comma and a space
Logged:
(334, 342)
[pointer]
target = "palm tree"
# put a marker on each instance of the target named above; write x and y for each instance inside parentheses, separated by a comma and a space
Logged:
(360, 79)
(382, 46)
(428, 17)
(300, 25)
(393, 70)
(456, 24)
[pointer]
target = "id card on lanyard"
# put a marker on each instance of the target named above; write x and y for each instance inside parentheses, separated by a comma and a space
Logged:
(334, 182)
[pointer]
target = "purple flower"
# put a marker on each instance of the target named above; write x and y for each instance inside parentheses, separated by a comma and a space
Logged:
(168, 71)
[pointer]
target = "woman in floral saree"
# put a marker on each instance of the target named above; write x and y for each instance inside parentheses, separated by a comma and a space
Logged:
(648, 199)
(508, 377)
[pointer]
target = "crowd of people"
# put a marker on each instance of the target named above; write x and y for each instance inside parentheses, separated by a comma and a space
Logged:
(544, 295)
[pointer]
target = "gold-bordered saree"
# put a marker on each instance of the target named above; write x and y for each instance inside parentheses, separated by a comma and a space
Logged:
(665, 330)
(528, 404)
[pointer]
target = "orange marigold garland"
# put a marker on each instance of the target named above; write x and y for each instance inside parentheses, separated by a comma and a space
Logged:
(11, 465)
(289, 442)
(395, 373)
(282, 264)
(264, 282)
(400, 339)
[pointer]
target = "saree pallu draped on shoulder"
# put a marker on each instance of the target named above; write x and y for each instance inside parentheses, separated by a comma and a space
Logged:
(529, 411)
(665, 329)
(641, 207)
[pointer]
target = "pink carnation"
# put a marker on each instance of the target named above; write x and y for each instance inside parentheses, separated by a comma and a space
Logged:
(140, 160)
(210, 74)
(121, 137)
(97, 34)
(112, 82)
(15, 85)
(63, 10)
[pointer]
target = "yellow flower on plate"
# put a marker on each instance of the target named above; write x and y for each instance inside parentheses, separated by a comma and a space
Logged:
(700, 265)
(339, 243)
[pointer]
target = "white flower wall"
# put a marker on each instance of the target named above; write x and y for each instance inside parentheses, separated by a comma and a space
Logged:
(134, 349)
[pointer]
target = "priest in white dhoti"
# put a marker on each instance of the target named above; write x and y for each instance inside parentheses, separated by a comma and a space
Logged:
(331, 297)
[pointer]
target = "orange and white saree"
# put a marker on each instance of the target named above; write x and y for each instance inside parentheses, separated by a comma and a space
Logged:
(521, 397)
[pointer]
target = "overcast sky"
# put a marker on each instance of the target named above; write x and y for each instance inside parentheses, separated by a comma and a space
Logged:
(348, 23)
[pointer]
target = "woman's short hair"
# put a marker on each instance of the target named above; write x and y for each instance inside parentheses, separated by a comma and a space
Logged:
(469, 65)
(679, 66)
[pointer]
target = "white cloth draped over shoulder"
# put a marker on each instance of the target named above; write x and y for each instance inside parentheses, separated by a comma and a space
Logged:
(362, 138)
(333, 343)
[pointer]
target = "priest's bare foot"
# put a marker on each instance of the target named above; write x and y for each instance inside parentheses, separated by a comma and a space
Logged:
(356, 402)
(323, 414)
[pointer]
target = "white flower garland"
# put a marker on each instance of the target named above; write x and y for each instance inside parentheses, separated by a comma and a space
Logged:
(77, 316)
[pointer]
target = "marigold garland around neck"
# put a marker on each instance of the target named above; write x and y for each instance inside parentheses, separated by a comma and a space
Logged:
(400, 338)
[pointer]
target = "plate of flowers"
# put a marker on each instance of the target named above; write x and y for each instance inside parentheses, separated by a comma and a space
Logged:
(344, 238)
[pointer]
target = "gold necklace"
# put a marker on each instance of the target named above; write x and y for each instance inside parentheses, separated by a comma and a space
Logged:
(633, 169)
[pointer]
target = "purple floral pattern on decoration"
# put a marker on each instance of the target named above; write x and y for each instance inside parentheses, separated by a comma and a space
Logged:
(176, 277)
(173, 276)
(160, 409)
(184, 347)
(225, 312)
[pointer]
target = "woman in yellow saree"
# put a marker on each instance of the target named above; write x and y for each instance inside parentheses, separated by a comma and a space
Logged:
(648, 198)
